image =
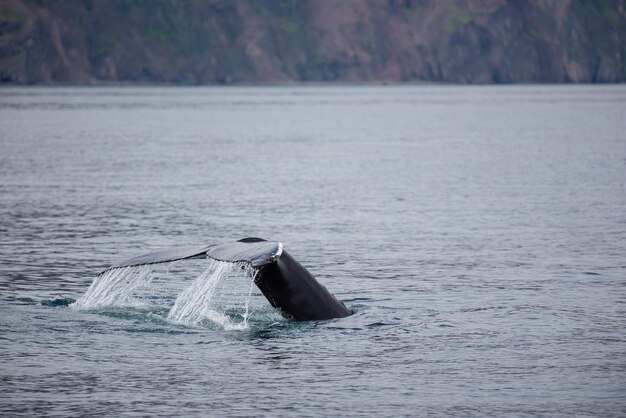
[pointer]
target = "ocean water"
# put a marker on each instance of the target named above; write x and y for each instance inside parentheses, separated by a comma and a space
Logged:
(479, 234)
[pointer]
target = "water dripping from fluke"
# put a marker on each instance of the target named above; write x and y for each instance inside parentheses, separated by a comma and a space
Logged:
(222, 293)
(215, 296)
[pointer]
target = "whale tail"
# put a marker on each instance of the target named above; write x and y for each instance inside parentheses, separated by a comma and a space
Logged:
(287, 285)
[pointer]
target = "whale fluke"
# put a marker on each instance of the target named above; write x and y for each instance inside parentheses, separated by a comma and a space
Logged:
(163, 256)
(287, 285)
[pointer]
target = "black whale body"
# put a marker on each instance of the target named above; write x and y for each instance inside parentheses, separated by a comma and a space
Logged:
(287, 285)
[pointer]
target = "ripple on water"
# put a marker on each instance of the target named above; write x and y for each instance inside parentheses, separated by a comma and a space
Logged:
(477, 233)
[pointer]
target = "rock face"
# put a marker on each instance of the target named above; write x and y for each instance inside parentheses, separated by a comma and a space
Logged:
(279, 41)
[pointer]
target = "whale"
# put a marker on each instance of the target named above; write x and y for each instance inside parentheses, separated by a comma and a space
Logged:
(287, 285)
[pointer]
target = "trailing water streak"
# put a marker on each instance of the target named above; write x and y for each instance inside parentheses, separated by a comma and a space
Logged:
(221, 293)
(116, 287)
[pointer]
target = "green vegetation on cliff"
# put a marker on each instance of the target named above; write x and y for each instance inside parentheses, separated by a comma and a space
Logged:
(256, 41)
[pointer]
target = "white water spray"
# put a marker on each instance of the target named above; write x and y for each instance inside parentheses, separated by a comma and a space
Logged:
(221, 294)
(117, 287)
(215, 295)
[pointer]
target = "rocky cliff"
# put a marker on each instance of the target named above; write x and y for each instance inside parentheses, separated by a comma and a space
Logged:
(256, 41)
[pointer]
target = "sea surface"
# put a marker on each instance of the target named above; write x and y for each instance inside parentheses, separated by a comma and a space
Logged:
(478, 234)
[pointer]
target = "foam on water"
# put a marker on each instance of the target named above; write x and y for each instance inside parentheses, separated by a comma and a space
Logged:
(221, 294)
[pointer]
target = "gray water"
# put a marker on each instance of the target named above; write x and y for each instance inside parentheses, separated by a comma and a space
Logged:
(479, 234)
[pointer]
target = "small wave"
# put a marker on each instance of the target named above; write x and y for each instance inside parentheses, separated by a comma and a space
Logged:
(352, 300)
(379, 324)
(57, 302)
(21, 300)
(54, 302)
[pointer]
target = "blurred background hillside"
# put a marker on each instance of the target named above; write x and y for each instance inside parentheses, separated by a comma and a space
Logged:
(283, 41)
